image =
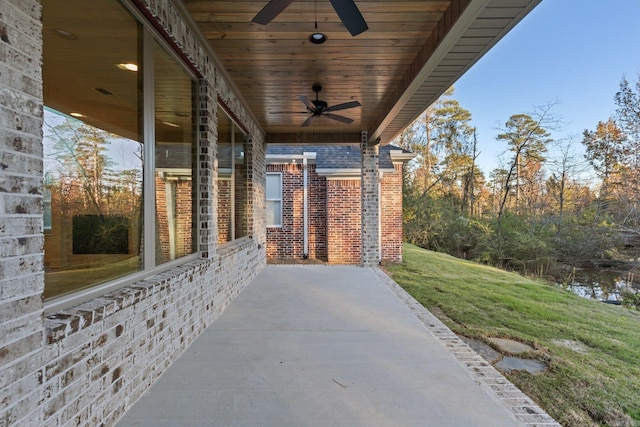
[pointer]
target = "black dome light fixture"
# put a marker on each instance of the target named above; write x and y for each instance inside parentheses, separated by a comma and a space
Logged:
(317, 38)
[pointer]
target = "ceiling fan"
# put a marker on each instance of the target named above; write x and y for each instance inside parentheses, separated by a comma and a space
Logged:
(319, 108)
(347, 11)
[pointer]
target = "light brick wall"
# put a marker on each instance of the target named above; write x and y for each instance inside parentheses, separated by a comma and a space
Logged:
(370, 202)
(86, 365)
(257, 153)
(22, 333)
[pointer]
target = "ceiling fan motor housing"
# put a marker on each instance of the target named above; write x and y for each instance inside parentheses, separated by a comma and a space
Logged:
(320, 105)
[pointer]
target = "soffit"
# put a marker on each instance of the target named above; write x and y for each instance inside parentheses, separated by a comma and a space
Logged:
(411, 53)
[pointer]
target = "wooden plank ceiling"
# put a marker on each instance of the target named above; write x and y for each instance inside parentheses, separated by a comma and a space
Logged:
(412, 52)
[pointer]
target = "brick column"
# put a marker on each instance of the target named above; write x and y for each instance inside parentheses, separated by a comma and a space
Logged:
(21, 236)
(370, 202)
(208, 202)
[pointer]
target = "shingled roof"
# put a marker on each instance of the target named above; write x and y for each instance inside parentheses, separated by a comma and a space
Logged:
(337, 157)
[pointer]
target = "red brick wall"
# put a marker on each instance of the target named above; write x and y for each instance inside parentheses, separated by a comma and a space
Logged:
(287, 242)
(184, 219)
(391, 218)
(343, 221)
(334, 218)
(317, 215)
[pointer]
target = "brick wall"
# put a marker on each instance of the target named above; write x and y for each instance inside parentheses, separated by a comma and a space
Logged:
(343, 221)
(224, 210)
(370, 201)
(391, 219)
(84, 366)
(22, 333)
(317, 215)
(184, 223)
(182, 195)
(287, 242)
(334, 218)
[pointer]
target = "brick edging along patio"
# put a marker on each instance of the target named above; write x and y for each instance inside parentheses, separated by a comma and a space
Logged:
(488, 377)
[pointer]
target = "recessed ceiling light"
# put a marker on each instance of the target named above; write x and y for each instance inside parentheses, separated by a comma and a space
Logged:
(78, 115)
(128, 66)
(317, 38)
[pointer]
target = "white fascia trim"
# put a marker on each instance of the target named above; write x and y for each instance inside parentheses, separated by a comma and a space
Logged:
(339, 173)
(345, 173)
(401, 156)
(469, 15)
(165, 173)
(288, 158)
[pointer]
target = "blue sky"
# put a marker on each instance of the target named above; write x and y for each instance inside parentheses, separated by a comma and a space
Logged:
(574, 52)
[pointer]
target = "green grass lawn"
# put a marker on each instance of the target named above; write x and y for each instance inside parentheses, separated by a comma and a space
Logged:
(593, 349)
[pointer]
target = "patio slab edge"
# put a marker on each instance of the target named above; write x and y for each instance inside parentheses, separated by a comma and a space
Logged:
(488, 377)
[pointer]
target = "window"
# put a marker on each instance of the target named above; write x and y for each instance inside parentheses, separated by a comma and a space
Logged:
(274, 199)
(119, 148)
(233, 207)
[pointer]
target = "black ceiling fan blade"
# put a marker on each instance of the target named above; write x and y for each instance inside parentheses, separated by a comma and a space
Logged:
(288, 112)
(308, 121)
(270, 11)
(344, 106)
(350, 16)
(342, 119)
(307, 102)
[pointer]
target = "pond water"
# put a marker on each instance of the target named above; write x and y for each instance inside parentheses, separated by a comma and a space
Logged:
(602, 284)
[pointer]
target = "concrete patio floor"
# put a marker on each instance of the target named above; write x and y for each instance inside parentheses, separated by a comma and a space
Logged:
(330, 346)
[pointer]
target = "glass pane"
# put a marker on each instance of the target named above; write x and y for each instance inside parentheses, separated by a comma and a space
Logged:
(273, 187)
(225, 217)
(175, 158)
(240, 178)
(92, 144)
(274, 217)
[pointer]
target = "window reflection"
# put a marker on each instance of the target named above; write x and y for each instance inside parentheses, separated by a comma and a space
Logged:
(174, 129)
(99, 211)
(232, 180)
(93, 181)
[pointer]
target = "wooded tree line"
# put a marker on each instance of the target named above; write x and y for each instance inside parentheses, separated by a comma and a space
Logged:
(82, 177)
(543, 205)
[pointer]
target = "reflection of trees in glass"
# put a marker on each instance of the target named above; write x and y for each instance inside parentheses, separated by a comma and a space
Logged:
(109, 234)
(81, 172)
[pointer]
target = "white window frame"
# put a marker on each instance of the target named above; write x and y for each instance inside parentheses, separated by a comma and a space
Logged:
(279, 174)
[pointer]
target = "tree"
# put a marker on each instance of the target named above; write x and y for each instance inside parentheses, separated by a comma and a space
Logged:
(81, 153)
(79, 168)
(450, 125)
(527, 139)
(603, 150)
(628, 116)
(440, 137)
(563, 171)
